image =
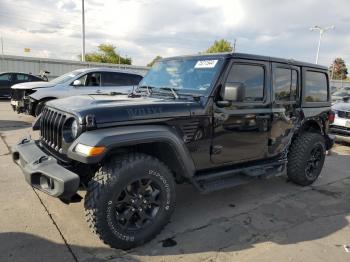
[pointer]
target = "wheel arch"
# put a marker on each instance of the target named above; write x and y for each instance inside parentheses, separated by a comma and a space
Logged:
(312, 125)
(157, 141)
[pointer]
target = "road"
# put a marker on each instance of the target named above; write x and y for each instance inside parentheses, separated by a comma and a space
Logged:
(267, 220)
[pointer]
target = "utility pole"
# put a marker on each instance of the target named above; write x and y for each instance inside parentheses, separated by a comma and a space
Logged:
(321, 30)
(2, 46)
(2, 52)
(234, 45)
(83, 31)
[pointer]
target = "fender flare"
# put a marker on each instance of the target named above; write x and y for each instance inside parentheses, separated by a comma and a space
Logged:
(118, 137)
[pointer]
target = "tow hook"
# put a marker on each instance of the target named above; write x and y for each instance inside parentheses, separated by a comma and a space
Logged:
(40, 160)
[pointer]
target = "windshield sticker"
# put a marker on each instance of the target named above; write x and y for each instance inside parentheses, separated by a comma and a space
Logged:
(206, 64)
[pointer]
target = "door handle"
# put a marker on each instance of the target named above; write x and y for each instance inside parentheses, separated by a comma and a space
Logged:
(98, 91)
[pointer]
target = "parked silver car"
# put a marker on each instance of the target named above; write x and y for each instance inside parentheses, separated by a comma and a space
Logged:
(341, 124)
(31, 97)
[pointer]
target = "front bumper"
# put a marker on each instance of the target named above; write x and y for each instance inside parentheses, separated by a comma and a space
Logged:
(43, 172)
(20, 106)
(341, 133)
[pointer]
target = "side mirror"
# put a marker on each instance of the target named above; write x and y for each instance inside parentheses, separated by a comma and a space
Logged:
(346, 99)
(77, 83)
(232, 92)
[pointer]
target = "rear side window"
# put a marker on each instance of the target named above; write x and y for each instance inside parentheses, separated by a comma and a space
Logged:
(316, 87)
(285, 84)
(252, 77)
(120, 79)
(22, 77)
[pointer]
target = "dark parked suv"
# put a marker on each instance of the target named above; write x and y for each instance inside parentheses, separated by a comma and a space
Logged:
(215, 121)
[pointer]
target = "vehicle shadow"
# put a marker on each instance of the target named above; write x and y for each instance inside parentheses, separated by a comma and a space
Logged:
(8, 125)
(18, 247)
(270, 210)
(266, 211)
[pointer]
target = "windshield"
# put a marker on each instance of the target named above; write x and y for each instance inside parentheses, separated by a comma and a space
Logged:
(66, 77)
(186, 75)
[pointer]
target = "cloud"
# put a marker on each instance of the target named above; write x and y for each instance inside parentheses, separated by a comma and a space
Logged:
(143, 29)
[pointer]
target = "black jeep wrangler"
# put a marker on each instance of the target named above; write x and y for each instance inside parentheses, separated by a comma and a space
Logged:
(215, 121)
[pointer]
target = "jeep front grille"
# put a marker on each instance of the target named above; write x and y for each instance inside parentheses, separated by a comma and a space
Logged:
(51, 127)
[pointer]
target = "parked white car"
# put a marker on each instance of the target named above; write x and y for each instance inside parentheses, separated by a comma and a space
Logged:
(31, 97)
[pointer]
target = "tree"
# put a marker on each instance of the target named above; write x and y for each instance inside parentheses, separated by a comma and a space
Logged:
(338, 69)
(154, 60)
(220, 46)
(107, 54)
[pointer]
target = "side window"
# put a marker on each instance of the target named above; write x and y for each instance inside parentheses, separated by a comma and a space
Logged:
(5, 77)
(316, 87)
(93, 79)
(22, 77)
(285, 83)
(134, 79)
(120, 79)
(82, 79)
(252, 77)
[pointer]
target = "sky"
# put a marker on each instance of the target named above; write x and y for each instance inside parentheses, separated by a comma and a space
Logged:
(143, 29)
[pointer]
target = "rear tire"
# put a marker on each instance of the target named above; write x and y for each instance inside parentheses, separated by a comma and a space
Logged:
(306, 158)
(129, 200)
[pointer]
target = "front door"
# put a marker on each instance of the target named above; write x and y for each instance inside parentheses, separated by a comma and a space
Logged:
(241, 130)
(90, 84)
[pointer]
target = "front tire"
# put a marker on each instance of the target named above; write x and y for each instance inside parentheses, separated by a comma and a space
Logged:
(129, 200)
(306, 158)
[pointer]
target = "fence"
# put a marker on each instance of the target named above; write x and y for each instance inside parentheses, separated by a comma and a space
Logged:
(338, 84)
(56, 67)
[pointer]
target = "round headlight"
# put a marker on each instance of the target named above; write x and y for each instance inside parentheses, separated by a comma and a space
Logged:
(74, 129)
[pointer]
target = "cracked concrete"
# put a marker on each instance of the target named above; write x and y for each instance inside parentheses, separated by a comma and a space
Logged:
(267, 220)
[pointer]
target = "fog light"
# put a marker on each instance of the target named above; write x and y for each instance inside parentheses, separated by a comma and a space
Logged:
(89, 150)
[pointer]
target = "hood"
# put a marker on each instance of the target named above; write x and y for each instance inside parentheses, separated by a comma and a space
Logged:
(32, 85)
(341, 106)
(112, 109)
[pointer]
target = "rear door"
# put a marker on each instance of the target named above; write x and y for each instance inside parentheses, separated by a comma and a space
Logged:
(241, 130)
(5, 84)
(119, 82)
(286, 82)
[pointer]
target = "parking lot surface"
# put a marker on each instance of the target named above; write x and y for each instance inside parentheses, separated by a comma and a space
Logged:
(267, 220)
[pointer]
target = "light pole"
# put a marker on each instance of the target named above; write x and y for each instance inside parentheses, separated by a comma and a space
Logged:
(83, 31)
(321, 30)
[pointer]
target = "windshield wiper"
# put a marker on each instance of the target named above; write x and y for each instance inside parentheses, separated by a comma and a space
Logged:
(172, 91)
(149, 89)
(108, 93)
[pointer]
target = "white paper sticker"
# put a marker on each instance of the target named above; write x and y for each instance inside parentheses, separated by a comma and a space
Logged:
(206, 64)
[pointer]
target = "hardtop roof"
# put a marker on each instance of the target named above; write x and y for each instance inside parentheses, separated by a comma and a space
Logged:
(251, 57)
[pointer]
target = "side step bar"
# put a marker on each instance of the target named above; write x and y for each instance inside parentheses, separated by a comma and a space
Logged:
(210, 182)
